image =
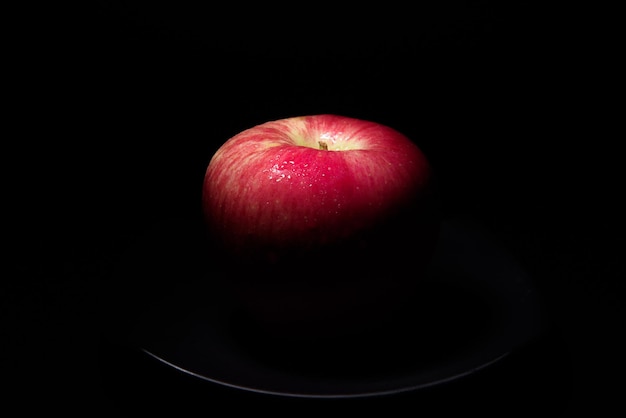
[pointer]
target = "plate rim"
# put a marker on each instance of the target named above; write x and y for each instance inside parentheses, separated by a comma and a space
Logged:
(394, 384)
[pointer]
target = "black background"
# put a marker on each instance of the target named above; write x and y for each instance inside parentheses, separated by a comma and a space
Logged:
(120, 105)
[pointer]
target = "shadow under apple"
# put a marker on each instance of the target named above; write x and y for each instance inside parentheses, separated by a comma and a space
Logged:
(443, 322)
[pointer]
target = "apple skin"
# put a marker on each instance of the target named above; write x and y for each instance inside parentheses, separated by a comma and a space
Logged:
(323, 224)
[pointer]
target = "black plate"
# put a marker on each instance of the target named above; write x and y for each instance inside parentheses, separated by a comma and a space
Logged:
(476, 307)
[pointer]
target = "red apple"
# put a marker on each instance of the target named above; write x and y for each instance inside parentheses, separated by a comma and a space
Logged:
(323, 223)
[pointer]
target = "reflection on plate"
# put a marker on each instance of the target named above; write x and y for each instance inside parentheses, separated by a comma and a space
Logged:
(476, 307)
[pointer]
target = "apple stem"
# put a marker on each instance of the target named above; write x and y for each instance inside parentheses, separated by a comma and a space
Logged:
(323, 145)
